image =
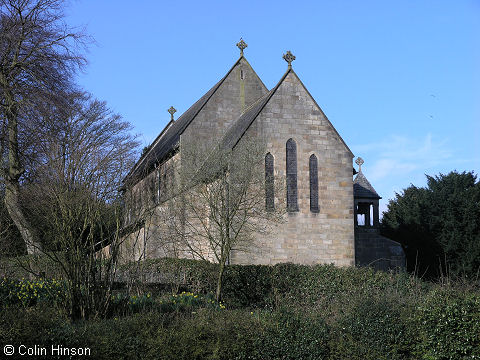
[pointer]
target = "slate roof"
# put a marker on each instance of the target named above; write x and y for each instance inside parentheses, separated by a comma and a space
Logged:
(362, 188)
(168, 140)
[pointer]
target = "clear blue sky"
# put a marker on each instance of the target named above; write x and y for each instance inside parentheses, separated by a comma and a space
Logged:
(399, 80)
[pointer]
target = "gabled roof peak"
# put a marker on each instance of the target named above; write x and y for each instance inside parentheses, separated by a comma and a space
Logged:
(167, 142)
(361, 186)
(241, 125)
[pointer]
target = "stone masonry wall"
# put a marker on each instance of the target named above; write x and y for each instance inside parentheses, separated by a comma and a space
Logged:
(241, 88)
(225, 106)
(306, 237)
(143, 201)
(372, 249)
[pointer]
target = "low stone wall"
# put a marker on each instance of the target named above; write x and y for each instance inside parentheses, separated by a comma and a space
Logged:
(372, 249)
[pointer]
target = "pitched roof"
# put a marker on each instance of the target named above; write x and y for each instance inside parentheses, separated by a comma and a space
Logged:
(167, 141)
(362, 187)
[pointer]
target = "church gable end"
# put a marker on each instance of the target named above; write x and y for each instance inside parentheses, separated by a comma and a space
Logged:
(320, 227)
(239, 89)
(207, 119)
(306, 99)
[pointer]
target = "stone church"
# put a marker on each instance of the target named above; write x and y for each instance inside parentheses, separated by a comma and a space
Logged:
(330, 217)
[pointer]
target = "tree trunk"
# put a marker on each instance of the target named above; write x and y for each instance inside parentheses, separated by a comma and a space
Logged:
(12, 176)
(12, 203)
(218, 294)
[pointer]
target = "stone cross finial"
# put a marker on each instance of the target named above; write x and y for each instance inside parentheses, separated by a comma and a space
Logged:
(359, 162)
(172, 111)
(242, 45)
(289, 57)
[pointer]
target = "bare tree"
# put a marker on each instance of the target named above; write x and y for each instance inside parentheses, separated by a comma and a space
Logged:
(38, 56)
(74, 197)
(221, 207)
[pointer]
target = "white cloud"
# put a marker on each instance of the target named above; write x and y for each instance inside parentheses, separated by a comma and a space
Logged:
(403, 155)
(398, 161)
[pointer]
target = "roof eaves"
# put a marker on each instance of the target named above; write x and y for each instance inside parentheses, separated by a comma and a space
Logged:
(144, 156)
(360, 192)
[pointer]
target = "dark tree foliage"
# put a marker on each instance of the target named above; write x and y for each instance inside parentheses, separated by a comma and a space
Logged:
(438, 226)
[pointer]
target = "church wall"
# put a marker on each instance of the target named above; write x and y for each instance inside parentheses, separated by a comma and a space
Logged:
(132, 247)
(157, 238)
(225, 105)
(144, 201)
(241, 88)
(306, 237)
(379, 252)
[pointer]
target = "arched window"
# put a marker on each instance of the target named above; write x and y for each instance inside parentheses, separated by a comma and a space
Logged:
(313, 169)
(128, 206)
(161, 183)
(269, 192)
(292, 203)
(157, 174)
(152, 187)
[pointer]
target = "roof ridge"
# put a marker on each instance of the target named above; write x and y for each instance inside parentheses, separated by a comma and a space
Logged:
(179, 129)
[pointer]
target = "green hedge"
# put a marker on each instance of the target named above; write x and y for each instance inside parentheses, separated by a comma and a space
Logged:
(370, 315)
(260, 286)
(373, 329)
(26, 265)
(272, 312)
(448, 324)
(123, 304)
(206, 334)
